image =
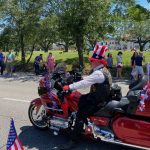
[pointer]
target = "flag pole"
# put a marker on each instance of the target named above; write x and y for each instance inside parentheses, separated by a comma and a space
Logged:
(148, 70)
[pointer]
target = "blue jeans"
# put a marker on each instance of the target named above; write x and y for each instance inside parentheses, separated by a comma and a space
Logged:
(2, 67)
(37, 68)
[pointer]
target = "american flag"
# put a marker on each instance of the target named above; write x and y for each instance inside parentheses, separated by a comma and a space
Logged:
(13, 143)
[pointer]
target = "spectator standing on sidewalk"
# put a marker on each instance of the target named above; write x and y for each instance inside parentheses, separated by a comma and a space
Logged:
(10, 58)
(37, 61)
(2, 59)
(138, 65)
(133, 72)
(119, 65)
(50, 63)
(109, 61)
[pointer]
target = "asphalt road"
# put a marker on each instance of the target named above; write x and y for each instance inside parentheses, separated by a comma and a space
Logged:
(15, 96)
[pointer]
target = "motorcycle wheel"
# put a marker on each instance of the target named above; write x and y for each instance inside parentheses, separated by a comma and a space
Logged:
(36, 118)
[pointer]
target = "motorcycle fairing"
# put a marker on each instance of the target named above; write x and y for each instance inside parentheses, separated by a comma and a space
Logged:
(36, 102)
(73, 100)
(70, 103)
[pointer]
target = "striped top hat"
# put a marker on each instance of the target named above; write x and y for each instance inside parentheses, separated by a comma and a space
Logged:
(99, 53)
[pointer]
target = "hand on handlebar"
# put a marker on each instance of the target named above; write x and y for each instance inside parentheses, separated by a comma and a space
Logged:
(66, 87)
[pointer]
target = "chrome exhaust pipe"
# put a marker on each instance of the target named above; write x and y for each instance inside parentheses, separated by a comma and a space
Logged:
(57, 123)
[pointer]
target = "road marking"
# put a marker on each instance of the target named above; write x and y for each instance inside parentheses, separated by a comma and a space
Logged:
(16, 100)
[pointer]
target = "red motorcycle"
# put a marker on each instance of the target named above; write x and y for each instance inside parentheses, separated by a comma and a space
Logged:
(125, 121)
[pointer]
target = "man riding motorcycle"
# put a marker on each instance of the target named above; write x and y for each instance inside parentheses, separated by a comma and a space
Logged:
(100, 81)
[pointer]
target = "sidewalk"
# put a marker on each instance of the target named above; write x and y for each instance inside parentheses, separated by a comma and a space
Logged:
(24, 76)
(31, 76)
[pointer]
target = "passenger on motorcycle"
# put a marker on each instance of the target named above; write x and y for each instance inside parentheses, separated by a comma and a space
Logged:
(100, 81)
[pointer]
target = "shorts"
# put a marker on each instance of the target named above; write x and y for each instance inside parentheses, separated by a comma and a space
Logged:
(9, 67)
(139, 70)
(119, 65)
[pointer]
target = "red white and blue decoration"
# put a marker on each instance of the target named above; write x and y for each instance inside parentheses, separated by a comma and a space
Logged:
(145, 93)
(99, 53)
(46, 83)
(148, 70)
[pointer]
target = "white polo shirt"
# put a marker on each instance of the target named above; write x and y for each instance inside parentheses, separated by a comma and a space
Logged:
(96, 77)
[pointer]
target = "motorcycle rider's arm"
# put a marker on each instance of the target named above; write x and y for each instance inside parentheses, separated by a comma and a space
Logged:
(96, 77)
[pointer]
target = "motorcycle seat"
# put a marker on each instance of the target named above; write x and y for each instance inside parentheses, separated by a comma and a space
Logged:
(133, 95)
(113, 106)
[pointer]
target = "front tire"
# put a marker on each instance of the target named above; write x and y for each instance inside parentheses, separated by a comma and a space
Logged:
(36, 118)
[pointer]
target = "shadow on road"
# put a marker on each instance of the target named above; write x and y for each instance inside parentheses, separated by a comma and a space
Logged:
(22, 77)
(32, 138)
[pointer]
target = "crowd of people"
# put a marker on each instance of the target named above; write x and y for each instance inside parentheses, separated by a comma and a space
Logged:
(136, 64)
(7, 62)
(137, 60)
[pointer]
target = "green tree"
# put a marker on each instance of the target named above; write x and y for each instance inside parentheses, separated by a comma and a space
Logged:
(119, 17)
(138, 26)
(76, 16)
(22, 16)
(47, 32)
(100, 26)
(7, 38)
(64, 37)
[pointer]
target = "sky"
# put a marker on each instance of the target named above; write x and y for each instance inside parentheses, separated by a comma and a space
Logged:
(144, 3)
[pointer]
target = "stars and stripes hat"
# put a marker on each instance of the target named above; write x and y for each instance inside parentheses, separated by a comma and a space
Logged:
(99, 53)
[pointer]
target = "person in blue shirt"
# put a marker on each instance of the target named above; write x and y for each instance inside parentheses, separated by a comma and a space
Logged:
(2, 58)
(37, 61)
(138, 65)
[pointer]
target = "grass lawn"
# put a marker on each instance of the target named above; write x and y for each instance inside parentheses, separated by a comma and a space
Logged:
(72, 57)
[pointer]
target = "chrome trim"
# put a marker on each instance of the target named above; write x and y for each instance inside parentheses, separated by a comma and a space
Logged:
(109, 137)
(60, 110)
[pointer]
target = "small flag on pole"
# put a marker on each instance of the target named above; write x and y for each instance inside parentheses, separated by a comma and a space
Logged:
(13, 143)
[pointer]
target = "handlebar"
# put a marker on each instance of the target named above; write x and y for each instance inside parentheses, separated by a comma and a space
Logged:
(59, 79)
(61, 94)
